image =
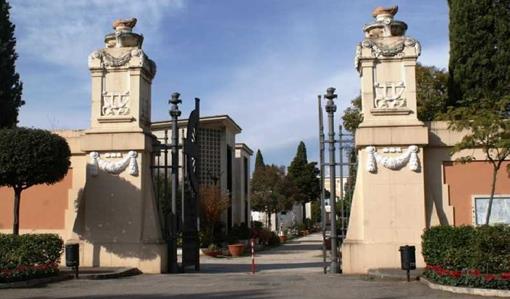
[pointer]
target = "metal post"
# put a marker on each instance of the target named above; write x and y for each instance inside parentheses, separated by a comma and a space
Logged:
(323, 192)
(174, 113)
(164, 194)
(331, 109)
(183, 183)
(341, 162)
(253, 256)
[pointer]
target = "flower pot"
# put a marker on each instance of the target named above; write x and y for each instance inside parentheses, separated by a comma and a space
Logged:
(283, 239)
(211, 253)
(236, 249)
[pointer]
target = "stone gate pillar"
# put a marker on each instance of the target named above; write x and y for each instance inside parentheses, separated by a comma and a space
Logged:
(388, 208)
(118, 221)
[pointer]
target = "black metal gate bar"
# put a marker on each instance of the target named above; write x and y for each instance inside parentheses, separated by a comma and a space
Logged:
(190, 239)
(166, 194)
(345, 141)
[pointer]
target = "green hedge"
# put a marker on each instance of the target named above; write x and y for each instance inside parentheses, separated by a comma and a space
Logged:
(28, 256)
(468, 256)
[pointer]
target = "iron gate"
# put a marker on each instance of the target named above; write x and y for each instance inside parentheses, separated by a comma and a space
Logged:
(179, 214)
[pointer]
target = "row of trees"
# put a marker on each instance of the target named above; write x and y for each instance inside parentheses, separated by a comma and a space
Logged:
(474, 95)
(273, 190)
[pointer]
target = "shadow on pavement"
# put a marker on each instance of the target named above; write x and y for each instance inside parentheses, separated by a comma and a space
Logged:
(230, 294)
(290, 248)
(246, 268)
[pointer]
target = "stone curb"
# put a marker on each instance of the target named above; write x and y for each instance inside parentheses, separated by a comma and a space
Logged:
(464, 290)
(393, 274)
(35, 282)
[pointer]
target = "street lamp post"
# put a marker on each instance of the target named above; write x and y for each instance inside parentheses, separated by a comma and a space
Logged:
(172, 250)
(331, 109)
(323, 191)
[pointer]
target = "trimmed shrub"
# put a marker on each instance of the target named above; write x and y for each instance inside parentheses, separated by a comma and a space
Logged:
(238, 232)
(274, 240)
(257, 224)
(468, 256)
(29, 256)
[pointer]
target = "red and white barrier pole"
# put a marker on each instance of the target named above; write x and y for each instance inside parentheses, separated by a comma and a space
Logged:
(252, 256)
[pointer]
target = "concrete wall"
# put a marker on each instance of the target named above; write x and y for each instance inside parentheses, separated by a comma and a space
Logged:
(42, 206)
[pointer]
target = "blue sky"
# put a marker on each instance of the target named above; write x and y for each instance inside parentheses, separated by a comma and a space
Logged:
(262, 62)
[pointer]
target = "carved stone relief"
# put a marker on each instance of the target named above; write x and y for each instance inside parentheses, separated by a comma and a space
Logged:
(113, 155)
(389, 95)
(108, 60)
(115, 103)
(394, 163)
(113, 167)
(392, 149)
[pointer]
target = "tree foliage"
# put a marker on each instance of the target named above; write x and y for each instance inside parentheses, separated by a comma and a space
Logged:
(304, 175)
(431, 92)
(272, 191)
(10, 85)
(213, 202)
(479, 51)
(352, 115)
(30, 157)
(259, 160)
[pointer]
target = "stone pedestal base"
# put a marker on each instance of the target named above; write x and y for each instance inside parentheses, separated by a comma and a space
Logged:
(358, 257)
(147, 257)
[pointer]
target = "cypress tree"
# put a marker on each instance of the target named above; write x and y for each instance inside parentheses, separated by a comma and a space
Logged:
(304, 176)
(259, 160)
(10, 85)
(479, 51)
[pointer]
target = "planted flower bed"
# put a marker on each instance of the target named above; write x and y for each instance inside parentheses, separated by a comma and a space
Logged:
(29, 256)
(477, 257)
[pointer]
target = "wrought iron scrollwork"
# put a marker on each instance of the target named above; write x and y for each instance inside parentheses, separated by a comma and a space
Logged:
(192, 147)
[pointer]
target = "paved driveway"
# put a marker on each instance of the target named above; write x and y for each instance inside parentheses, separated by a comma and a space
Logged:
(290, 271)
(302, 255)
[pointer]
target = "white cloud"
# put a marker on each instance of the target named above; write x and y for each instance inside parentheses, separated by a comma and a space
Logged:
(65, 32)
(274, 99)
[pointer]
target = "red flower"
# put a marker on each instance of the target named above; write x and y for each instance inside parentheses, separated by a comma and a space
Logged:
(474, 272)
(489, 277)
(454, 274)
(505, 275)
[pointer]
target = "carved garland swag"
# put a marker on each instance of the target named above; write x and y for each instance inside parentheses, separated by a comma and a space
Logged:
(114, 167)
(394, 163)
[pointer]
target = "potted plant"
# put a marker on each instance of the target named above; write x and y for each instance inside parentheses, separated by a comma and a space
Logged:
(244, 234)
(235, 248)
(212, 250)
